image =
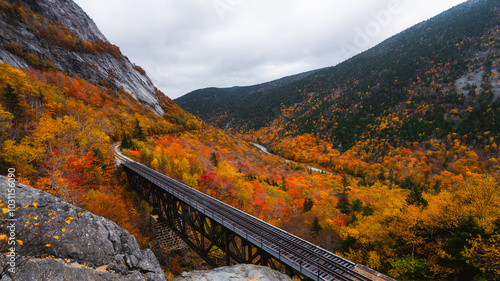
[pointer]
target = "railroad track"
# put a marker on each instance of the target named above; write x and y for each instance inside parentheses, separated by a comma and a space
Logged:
(310, 260)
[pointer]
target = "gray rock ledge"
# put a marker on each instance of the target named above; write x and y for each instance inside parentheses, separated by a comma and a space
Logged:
(89, 248)
(240, 272)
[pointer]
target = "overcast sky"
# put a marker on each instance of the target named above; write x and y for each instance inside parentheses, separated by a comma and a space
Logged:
(185, 45)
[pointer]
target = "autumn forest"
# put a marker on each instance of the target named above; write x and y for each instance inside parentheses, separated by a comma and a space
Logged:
(410, 162)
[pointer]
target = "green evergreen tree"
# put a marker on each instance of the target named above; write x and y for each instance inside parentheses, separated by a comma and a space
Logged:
(367, 210)
(138, 131)
(344, 204)
(316, 227)
(11, 99)
(356, 205)
(127, 142)
(415, 197)
(307, 206)
(214, 159)
(284, 186)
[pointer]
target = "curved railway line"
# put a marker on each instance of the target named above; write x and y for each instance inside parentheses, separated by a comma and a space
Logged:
(308, 259)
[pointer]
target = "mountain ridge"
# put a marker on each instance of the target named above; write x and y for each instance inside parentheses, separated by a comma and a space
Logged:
(208, 108)
(340, 102)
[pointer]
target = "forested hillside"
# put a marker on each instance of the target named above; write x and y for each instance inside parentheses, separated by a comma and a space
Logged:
(414, 76)
(56, 128)
(217, 105)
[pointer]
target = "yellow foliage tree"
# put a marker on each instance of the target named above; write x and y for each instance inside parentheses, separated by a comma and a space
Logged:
(5, 121)
(485, 254)
(480, 195)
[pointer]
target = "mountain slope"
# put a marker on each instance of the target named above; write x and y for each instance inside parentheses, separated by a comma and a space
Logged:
(58, 35)
(416, 68)
(60, 77)
(219, 105)
(64, 100)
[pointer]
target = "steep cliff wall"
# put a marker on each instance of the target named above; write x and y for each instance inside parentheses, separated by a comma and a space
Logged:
(60, 32)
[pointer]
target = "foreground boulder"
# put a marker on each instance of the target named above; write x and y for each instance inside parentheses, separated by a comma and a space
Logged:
(240, 272)
(64, 242)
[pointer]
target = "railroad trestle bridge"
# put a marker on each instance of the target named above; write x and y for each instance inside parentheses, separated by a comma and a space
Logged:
(223, 235)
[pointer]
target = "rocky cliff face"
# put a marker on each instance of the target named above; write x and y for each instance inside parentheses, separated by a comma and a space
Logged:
(36, 32)
(71, 16)
(63, 242)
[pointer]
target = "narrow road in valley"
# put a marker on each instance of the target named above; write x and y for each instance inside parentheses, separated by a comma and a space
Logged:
(265, 150)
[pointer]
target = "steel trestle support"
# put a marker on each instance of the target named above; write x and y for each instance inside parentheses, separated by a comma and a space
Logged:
(215, 243)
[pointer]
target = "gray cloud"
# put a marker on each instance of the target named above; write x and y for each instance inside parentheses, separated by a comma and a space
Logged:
(186, 45)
